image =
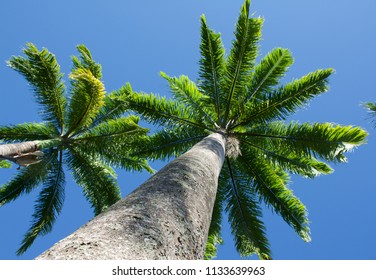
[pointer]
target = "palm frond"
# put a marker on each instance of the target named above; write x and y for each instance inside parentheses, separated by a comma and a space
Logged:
(371, 107)
(26, 180)
(85, 61)
(268, 72)
(113, 106)
(212, 65)
(49, 203)
(284, 101)
(99, 186)
(318, 140)
(87, 99)
(245, 215)
(28, 132)
(161, 111)
(170, 143)
(271, 185)
(5, 164)
(289, 160)
(116, 142)
(42, 71)
(186, 92)
(242, 57)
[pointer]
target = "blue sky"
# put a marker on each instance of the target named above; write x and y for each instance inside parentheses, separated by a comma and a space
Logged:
(134, 40)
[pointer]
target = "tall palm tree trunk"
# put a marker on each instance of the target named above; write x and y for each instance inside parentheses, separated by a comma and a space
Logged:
(167, 217)
(10, 150)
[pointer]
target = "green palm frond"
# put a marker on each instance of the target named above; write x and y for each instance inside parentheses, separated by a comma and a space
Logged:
(245, 215)
(371, 107)
(211, 66)
(113, 106)
(49, 203)
(187, 92)
(87, 99)
(5, 164)
(99, 186)
(318, 140)
(116, 141)
(242, 57)
(28, 132)
(85, 61)
(289, 160)
(159, 110)
(170, 143)
(271, 185)
(42, 71)
(26, 180)
(268, 72)
(286, 100)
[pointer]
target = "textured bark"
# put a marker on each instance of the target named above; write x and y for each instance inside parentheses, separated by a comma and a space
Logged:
(167, 217)
(10, 150)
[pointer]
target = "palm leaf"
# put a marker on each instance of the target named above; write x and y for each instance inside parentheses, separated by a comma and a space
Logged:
(26, 180)
(99, 186)
(161, 111)
(271, 185)
(48, 205)
(186, 91)
(317, 140)
(85, 61)
(87, 99)
(268, 72)
(42, 71)
(242, 57)
(244, 215)
(170, 143)
(115, 141)
(289, 160)
(5, 164)
(284, 101)
(212, 65)
(28, 132)
(371, 107)
(113, 106)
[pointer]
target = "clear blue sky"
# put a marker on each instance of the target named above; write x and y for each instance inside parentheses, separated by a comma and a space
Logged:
(134, 40)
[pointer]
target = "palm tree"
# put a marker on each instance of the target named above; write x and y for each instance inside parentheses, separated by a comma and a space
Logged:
(86, 133)
(371, 107)
(245, 152)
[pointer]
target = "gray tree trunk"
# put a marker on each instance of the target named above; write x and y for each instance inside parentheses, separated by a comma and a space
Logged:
(14, 149)
(167, 217)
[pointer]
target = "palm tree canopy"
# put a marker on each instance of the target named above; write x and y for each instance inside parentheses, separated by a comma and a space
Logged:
(371, 107)
(84, 129)
(245, 101)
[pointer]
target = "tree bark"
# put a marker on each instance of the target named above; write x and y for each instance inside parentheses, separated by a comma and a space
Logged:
(14, 149)
(167, 217)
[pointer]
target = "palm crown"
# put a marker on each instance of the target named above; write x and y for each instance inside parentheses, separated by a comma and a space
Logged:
(244, 101)
(87, 133)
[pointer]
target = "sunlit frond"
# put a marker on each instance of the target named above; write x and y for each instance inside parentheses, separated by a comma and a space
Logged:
(28, 132)
(87, 99)
(286, 100)
(271, 185)
(42, 71)
(212, 66)
(86, 61)
(242, 58)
